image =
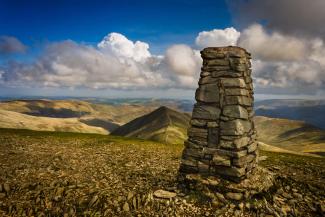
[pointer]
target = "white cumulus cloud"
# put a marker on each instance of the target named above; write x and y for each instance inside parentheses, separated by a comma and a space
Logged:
(183, 59)
(284, 63)
(274, 46)
(119, 45)
(185, 62)
(116, 63)
(217, 38)
(70, 64)
(279, 60)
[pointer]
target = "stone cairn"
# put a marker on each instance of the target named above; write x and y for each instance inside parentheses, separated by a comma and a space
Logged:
(222, 138)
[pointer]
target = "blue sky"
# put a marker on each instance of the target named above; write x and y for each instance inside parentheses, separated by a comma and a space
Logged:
(149, 48)
(159, 23)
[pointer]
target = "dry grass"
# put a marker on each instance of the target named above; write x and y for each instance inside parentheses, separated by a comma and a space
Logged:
(9, 119)
(119, 114)
(296, 136)
(265, 147)
(53, 174)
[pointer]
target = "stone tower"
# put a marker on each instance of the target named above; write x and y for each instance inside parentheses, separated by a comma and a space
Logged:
(221, 138)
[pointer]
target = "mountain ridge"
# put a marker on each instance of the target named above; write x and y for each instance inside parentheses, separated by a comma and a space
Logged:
(16, 120)
(108, 117)
(163, 125)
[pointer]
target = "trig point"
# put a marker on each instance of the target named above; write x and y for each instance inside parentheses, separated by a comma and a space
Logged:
(221, 141)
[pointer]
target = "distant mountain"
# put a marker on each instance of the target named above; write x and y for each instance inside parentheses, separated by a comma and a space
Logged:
(49, 108)
(16, 120)
(170, 126)
(105, 116)
(163, 125)
(292, 135)
(310, 111)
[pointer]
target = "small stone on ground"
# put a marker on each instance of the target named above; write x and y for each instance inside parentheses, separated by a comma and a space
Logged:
(164, 194)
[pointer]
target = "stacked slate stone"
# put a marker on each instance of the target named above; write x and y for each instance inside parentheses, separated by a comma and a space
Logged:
(221, 138)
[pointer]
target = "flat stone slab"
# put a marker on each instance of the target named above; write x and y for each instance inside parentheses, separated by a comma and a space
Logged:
(164, 194)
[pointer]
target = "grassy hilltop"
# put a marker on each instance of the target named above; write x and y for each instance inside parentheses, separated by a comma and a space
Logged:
(88, 174)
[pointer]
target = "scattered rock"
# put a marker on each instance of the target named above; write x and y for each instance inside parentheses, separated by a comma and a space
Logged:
(93, 200)
(164, 194)
(130, 195)
(292, 202)
(322, 206)
(234, 196)
(297, 195)
(241, 206)
(237, 213)
(100, 184)
(6, 188)
(286, 195)
(221, 197)
(285, 209)
(126, 207)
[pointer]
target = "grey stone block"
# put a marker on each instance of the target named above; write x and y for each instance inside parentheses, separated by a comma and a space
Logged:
(252, 147)
(233, 82)
(238, 100)
(235, 111)
(221, 160)
(207, 93)
(236, 92)
(206, 112)
(235, 127)
(242, 161)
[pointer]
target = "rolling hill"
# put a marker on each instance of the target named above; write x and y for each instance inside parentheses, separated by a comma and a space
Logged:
(105, 116)
(284, 135)
(292, 135)
(163, 125)
(270, 148)
(49, 108)
(15, 120)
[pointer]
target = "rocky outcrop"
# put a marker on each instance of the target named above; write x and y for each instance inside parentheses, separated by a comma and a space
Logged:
(221, 138)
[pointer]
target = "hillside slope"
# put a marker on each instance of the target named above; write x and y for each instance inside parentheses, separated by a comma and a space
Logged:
(49, 108)
(15, 120)
(167, 125)
(270, 148)
(163, 125)
(290, 134)
(105, 116)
